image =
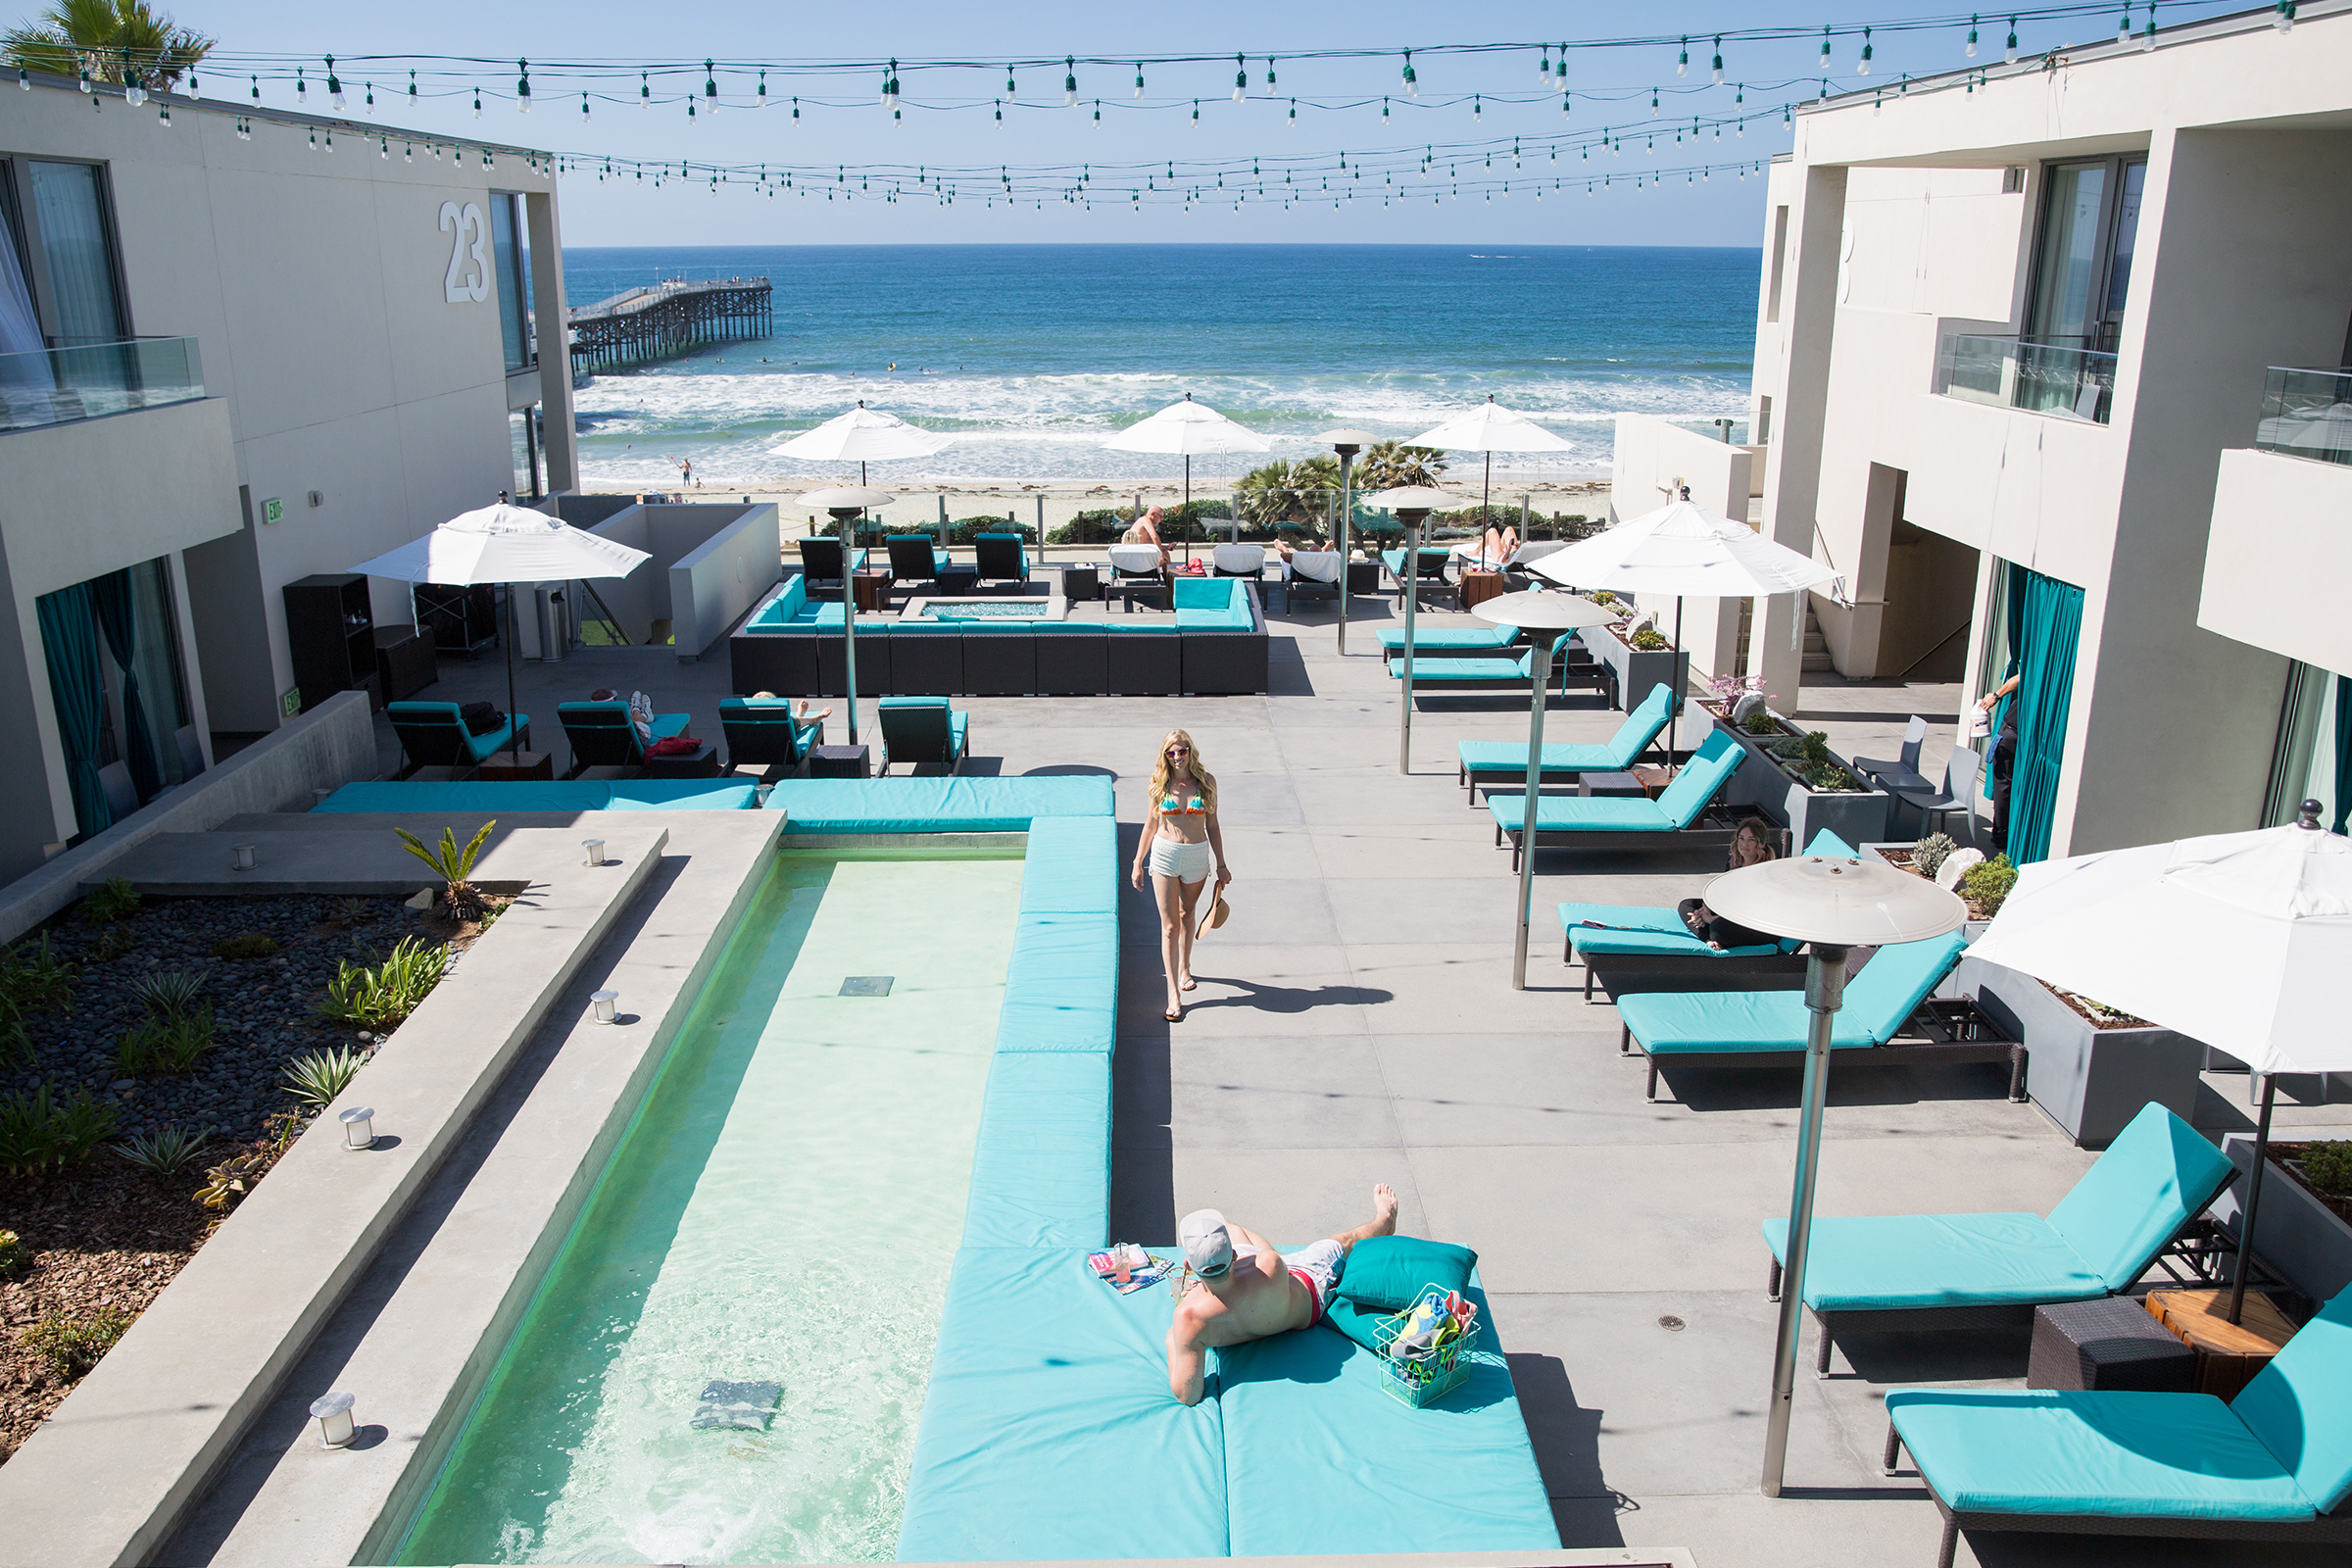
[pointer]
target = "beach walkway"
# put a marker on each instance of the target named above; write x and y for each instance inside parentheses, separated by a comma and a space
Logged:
(1355, 1024)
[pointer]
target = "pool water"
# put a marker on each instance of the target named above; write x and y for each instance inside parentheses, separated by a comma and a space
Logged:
(784, 1209)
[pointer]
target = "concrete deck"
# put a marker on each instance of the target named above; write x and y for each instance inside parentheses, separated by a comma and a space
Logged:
(1355, 1024)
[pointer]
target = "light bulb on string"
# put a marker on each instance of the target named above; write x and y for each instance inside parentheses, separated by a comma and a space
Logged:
(371, 98)
(2123, 26)
(256, 80)
(477, 103)
(1564, 105)
(301, 91)
(1069, 83)
(1477, 108)
(1241, 79)
(710, 87)
(890, 94)
(763, 102)
(334, 83)
(1718, 68)
(1011, 92)
(1682, 62)
(796, 114)
(583, 109)
(1653, 103)
(1862, 68)
(1294, 113)
(645, 95)
(1269, 75)
(1412, 82)
(1543, 68)
(690, 120)
(2009, 54)
(1196, 113)
(2284, 20)
(522, 87)
(2147, 39)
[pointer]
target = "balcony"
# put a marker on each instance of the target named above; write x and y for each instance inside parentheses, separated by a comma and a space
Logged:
(2039, 375)
(90, 380)
(2307, 414)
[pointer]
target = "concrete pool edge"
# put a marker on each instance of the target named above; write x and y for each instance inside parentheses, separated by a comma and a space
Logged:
(108, 1477)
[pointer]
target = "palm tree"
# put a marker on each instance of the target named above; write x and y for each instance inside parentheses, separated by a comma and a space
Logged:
(112, 40)
(1391, 465)
(1282, 490)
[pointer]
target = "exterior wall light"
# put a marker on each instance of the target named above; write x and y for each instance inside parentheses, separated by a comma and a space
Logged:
(359, 1127)
(332, 1411)
(604, 1006)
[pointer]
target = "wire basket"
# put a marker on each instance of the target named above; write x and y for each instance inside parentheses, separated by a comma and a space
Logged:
(1418, 1381)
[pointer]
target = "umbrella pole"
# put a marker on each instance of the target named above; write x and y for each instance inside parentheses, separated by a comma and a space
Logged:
(1405, 715)
(1825, 993)
(1341, 534)
(849, 633)
(2246, 1224)
(1674, 712)
(1187, 512)
(514, 742)
(1534, 788)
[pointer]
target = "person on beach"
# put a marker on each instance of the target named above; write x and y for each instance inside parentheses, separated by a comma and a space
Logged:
(1749, 846)
(1180, 846)
(1252, 1292)
(1145, 530)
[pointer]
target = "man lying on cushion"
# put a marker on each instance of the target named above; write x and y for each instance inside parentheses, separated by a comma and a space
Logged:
(1250, 1291)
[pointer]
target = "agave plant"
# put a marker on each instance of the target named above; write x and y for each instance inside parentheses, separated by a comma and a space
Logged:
(233, 1179)
(166, 1152)
(461, 899)
(318, 1077)
(169, 992)
(386, 993)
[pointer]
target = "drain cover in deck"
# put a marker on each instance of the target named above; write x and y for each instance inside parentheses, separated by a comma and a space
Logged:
(866, 985)
(740, 1407)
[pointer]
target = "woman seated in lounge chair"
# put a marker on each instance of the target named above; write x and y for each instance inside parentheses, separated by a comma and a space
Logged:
(803, 716)
(1749, 846)
(1497, 547)
(1145, 530)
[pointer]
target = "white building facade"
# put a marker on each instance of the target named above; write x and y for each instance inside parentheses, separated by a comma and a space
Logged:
(2046, 359)
(236, 351)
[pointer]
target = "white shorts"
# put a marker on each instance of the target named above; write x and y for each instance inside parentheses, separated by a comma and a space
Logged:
(1186, 863)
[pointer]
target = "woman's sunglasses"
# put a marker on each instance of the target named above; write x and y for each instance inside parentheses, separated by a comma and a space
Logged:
(1180, 751)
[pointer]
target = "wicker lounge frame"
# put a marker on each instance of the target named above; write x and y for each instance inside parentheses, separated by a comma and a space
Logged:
(1627, 974)
(1713, 828)
(1947, 1031)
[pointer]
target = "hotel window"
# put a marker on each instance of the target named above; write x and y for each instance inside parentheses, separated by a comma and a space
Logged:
(513, 264)
(2083, 262)
(2312, 756)
(59, 277)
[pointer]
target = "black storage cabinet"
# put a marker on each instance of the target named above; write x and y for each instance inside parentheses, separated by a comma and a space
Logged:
(330, 633)
(403, 663)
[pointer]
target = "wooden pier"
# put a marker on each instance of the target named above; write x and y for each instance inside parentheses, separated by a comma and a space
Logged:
(652, 323)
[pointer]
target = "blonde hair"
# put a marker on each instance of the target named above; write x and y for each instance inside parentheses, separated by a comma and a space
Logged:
(1162, 773)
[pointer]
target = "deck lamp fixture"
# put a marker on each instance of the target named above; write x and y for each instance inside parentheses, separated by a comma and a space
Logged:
(1833, 904)
(332, 1413)
(240, 857)
(604, 1006)
(595, 850)
(359, 1127)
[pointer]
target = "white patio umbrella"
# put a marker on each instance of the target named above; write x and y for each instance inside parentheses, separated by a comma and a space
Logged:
(504, 544)
(1685, 550)
(2271, 911)
(1491, 429)
(1189, 429)
(845, 503)
(862, 435)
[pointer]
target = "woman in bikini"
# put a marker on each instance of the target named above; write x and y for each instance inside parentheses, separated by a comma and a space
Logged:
(1181, 845)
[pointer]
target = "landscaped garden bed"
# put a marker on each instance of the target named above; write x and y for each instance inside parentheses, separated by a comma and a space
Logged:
(2321, 1170)
(1796, 779)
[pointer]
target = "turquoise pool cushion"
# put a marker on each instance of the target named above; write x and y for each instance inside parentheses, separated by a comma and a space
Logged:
(665, 795)
(2296, 1407)
(943, 805)
(1072, 867)
(578, 795)
(1879, 1001)
(1062, 985)
(1612, 756)
(1466, 639)
(2043, 1452)
(2156, 1176)
(1904, 1261)
(1467, 670)
(1582, 814)
(1047, 1430)
(1041, 1172)
(1389, 1272)
(1632, 928)
(1320, 1460)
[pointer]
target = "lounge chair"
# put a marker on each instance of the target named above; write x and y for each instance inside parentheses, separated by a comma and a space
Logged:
(601, 734)
(2272, 1464)
(1429, 567)
(1763, 1028)
(432, 735)
(923, 729)
(1314, 572)
(820, 568)
(1002, 558)
(761, 732)
(1916, 1272)
(1428, 671)
(1496, 761)
(1673, 820)
(1448, 640)
(914, 559)
(1133, 566)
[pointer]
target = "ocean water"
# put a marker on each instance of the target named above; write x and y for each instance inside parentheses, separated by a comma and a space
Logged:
(1031, 356)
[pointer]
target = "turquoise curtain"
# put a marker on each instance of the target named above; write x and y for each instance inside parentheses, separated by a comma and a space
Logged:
(2045, 625)
(116, 603)
(2344, 750)
(69, 638)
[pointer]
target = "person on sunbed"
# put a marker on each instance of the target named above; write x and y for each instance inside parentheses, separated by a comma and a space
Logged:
(1249, 1290)
(1145, 530)
(1749, 846)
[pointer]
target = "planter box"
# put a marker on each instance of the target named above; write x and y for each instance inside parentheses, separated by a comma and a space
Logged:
(1638, 673)
(2091, 1081)
(1857, 816)
(2294, 1232)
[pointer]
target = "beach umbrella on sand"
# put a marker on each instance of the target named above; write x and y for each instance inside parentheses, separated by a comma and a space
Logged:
(1491, 429)
(504, 544)
(862, 436)
(1188, 429)
(2271, 985)
(1682, 548)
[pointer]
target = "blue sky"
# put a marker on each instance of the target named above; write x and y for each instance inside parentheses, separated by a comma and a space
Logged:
(1608, 88)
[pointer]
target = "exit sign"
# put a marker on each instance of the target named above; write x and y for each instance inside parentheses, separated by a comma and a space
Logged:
(274, 510)
(291, 702)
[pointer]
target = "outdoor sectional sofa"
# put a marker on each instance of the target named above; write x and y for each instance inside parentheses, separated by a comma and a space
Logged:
(1216, 645)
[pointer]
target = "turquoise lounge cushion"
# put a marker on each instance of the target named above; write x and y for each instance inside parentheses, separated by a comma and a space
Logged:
(2158, 1173)
(682, 794)
(1062, 985)
(2296, 1406)
(1321, 1460)
(1041, 1169)
(1903, 1262)
(1586, 813)
(1203, 593)
(1456, 638)
(939, 805)
(1879, 1001)
(1390, 1273)
(1614, 754)
(1646, 929)
(471, 798)
(2041, 1452)
(1071, 866)
(1466, 671)
(1047, 1430)
(1710, 767)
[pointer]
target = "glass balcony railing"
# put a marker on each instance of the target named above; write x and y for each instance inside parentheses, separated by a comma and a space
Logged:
(2037, 375)
(2307, 414)
(89, 381)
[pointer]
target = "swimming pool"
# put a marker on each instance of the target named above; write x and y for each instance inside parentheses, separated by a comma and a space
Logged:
(783, 1209)
(994, 610)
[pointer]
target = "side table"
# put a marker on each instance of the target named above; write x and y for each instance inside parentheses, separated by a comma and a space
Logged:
(2107, 1343)
(874, 591)
(1617, 784)
(1480, 586)
(701, 763)
(1081, 583)
(2228, 1354)
(516, 768)
(836, 761)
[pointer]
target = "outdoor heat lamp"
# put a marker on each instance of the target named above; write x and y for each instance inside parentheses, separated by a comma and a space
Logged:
(332, 1413)
(359, 1127)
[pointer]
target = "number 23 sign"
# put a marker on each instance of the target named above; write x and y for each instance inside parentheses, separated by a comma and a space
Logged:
(469, 276)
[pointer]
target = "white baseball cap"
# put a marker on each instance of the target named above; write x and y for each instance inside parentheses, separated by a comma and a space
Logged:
(1207, 1246)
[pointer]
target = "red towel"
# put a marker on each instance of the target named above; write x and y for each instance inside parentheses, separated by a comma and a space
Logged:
(675, 746)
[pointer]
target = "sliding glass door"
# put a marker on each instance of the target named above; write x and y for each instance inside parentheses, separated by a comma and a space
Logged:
(2082, 264)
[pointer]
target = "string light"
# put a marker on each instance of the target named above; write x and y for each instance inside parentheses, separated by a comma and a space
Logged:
(1069, 83)
(334, 83)
(1863, 68)
(2010, 54)
(1241, 79)
(1139, 78)
(1972, 37)
(1412, 82)
(1825, 50)
(1718, 68)
(522, 87)
(1682, 62)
